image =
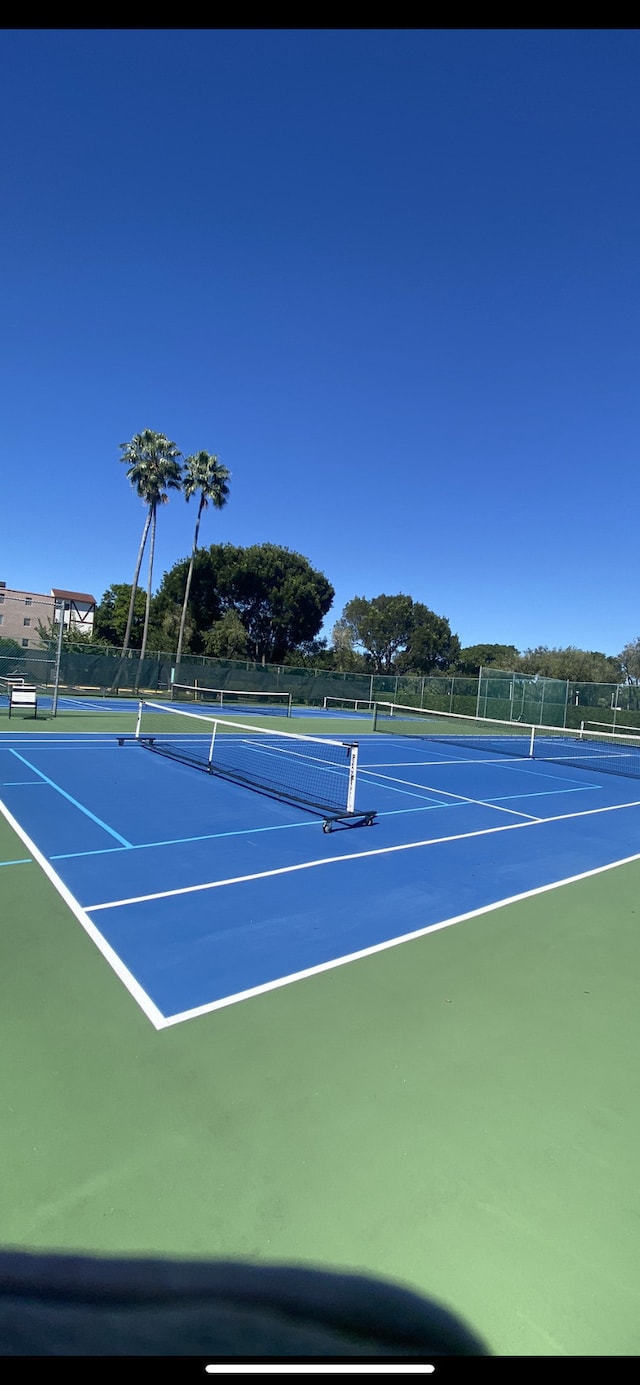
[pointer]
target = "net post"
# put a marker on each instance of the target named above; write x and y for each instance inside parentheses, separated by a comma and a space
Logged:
(139, 720)
(290, 704)
(353, 776)
(532, 743)
(212, 744)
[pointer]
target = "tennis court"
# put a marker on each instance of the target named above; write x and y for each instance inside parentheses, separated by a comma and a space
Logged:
(200, 891)
(406, 958)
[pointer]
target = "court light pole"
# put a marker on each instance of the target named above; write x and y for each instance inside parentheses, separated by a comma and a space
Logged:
(56, 682)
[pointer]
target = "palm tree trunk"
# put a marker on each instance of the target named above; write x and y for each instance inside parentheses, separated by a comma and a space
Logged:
(127, 633)
(147, 608)
(188, 586)
(115, 682)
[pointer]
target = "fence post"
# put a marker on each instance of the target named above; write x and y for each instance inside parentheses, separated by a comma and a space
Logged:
(56, 682)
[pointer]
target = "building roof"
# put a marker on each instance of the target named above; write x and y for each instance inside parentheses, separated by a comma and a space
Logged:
(72, 596)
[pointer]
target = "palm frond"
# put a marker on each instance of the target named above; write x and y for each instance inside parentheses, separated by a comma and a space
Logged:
(204, 475)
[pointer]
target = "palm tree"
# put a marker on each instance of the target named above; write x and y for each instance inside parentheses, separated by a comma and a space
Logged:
(204, 475)
(153, 466)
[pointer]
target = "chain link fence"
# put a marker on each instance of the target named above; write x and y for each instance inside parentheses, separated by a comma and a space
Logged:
(102, 671)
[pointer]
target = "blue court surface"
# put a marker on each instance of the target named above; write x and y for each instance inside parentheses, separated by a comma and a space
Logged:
(200, 892)
(77, 703)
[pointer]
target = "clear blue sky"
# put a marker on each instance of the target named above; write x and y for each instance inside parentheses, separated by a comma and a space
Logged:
(390, 277)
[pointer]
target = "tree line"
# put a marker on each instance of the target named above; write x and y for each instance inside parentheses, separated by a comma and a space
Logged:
(268, 603)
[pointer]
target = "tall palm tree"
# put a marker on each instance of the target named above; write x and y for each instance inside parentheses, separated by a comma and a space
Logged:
(153, 466)
(204, 475)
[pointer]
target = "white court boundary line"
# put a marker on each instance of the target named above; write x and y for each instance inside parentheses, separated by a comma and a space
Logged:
(161, 1022)
(464, 798)
(394, 942)
(355, 856)
(117, 965)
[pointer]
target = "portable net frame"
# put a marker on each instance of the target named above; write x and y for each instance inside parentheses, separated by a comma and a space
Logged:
(317, 774)
(269, 703)
(605, 752)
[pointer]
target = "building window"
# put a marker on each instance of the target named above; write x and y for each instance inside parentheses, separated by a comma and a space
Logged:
(27, 620)
(25, 644)
(1, 596)
(27, 600)
(1, 619)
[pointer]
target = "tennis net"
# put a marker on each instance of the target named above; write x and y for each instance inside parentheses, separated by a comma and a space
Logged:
(347, 704)
(606, 752)
(611, 727)
(318, 774)
(7, 683)
(271, 703)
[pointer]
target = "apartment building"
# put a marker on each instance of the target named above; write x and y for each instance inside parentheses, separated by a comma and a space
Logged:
(22, 612)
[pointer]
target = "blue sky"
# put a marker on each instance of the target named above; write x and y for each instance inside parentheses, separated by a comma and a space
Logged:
(390, 277)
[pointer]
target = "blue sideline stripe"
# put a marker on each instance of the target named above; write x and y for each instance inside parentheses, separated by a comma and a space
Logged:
(289, 826)
(182, 841)
(112, 832)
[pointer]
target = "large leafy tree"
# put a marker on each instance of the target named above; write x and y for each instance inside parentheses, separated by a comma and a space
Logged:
(476, 656)
(432, 647)
(280, 599)
(630, 660)
(382, 626)
(399, 634)
(577, 665)
(204, 476)
(111, 616)
(343, 655)
(153, 468)
(227, 639)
